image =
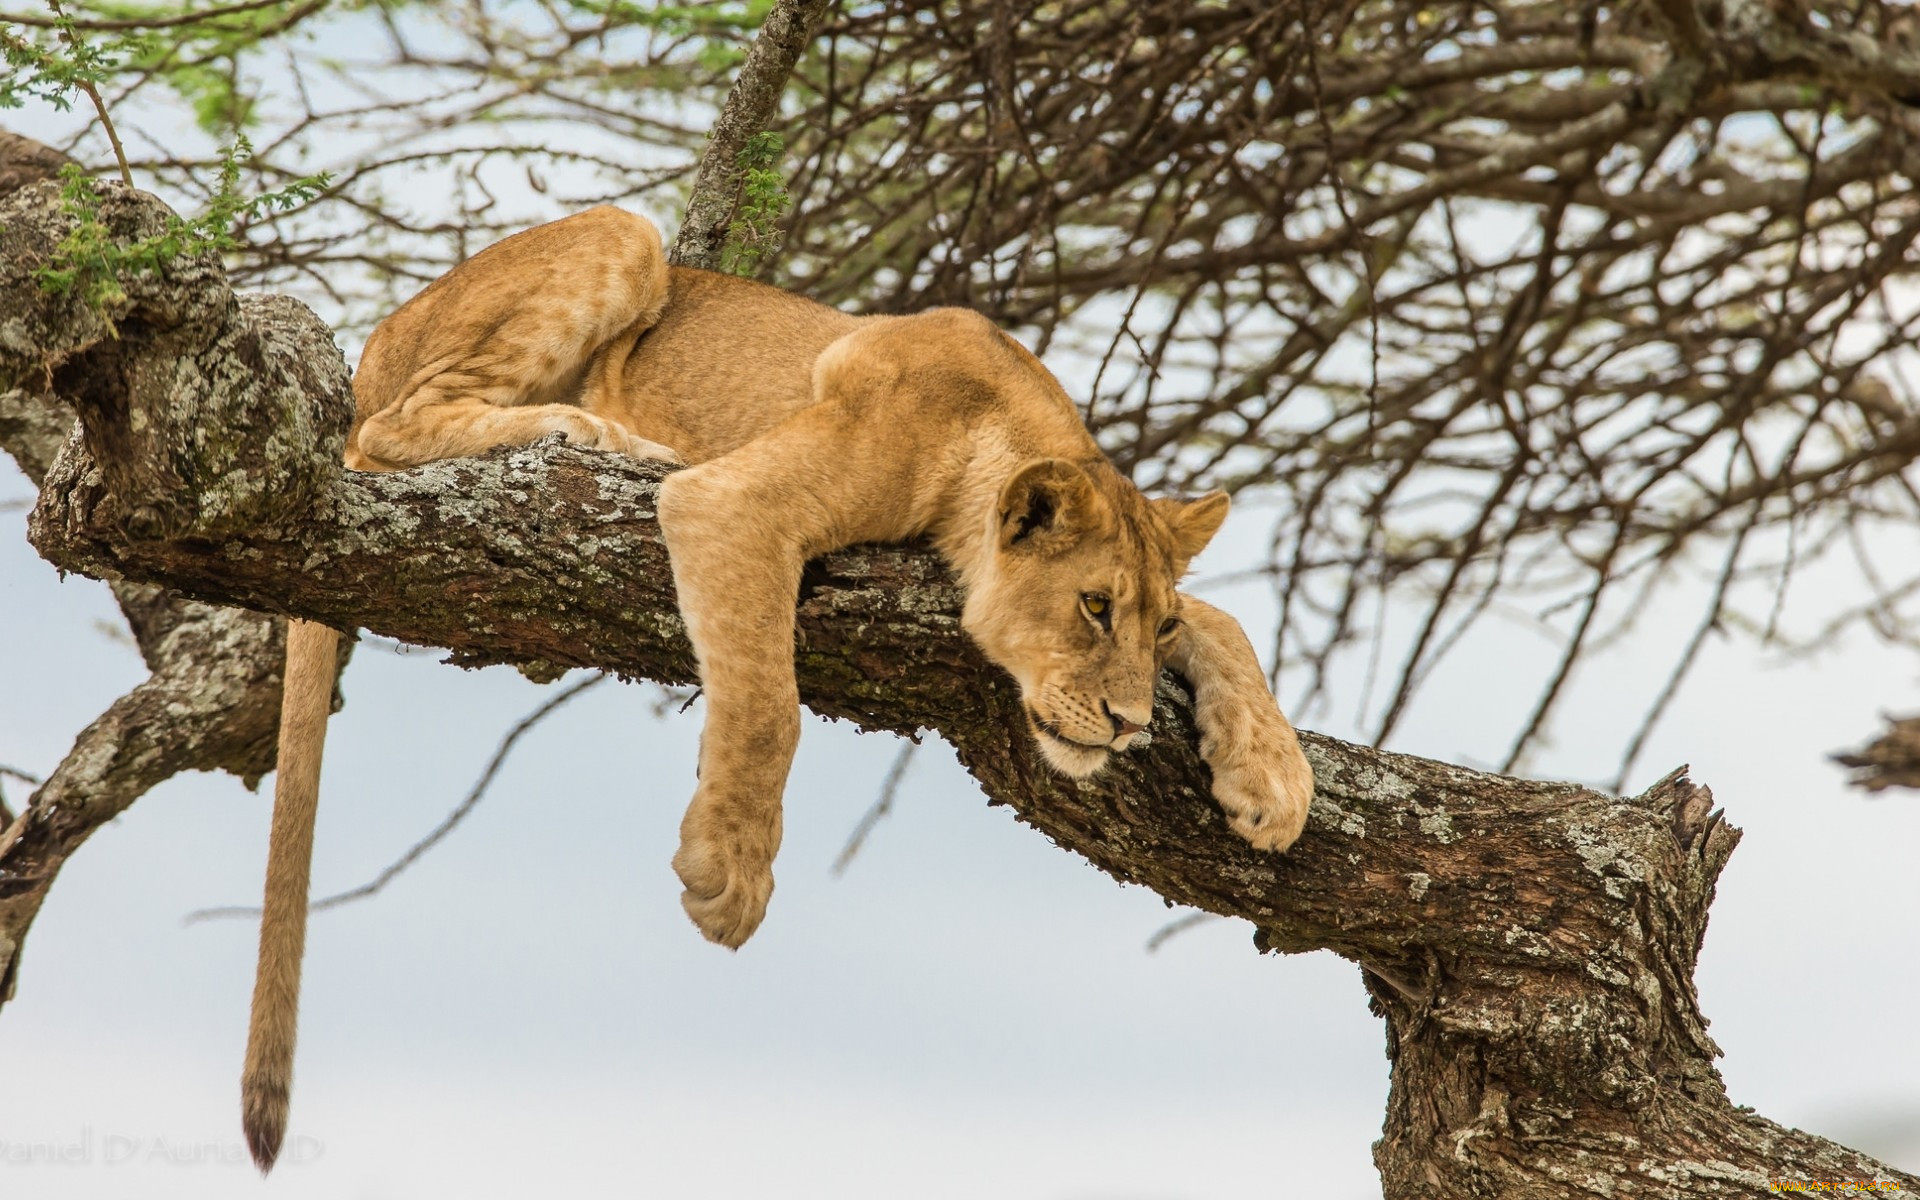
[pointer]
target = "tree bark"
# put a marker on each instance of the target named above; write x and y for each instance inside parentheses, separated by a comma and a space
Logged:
(1531, 946)
(1890, 760)
(211, 703)
(751, 106)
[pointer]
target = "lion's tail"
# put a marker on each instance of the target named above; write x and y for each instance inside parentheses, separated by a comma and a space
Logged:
(306, 702)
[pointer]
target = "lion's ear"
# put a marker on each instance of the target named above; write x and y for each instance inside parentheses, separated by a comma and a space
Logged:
(1193, 523)
(1047, 503)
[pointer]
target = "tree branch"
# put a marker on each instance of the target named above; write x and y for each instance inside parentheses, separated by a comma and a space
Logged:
(1530, 945)
(212, 702)
(1890, 760)
(1771, 40)
(750, 108)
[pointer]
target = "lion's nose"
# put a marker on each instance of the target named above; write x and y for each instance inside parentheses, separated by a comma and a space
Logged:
(1123, 725)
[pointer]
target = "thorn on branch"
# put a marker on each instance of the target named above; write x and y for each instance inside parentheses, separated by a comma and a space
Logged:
(6, 813)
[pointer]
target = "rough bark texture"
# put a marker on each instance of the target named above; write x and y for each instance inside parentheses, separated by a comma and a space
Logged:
(1531, 946)
(213, 700)
(24, 161)
(750, 108)
(211, 703)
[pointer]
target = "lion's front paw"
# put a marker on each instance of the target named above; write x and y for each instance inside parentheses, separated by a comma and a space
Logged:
(727, 891)
(1262, 782)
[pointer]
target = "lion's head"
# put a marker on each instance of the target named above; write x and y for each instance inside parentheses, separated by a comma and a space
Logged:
(1077, 601)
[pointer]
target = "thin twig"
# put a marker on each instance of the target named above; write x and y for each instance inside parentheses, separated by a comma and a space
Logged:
(72, 40)
(881, 807)
(441, 830)
(117, 23)
(1174, 928)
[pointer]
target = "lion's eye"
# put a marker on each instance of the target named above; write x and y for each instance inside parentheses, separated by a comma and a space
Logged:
(1099, 607)
(1168, 626)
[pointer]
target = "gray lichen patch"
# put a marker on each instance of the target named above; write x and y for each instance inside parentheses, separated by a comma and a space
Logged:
(941, 604)
(1436, 823)
(1392, 786)
(1527, 942)
(1606, 853)
(1608, 974)
(1327, 814)
(667, 626)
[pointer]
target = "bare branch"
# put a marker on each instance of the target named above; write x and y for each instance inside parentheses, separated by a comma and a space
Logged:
(1890, 760)
(881, 807)
(439, 832)
(157, 21)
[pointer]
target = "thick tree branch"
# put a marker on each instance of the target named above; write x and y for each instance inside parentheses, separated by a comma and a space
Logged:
(212, 702)
(750, 108)
(1530, 945)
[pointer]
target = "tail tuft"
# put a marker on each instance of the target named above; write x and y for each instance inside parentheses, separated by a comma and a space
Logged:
(263, 1115)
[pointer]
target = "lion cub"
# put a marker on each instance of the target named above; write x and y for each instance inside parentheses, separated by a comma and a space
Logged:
(936, 425)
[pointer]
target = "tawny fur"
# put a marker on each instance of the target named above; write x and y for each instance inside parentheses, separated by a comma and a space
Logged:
(806, 429)
(306, 700)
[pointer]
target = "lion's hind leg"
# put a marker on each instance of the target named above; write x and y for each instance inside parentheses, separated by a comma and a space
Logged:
(502, 350)
(462, 412)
